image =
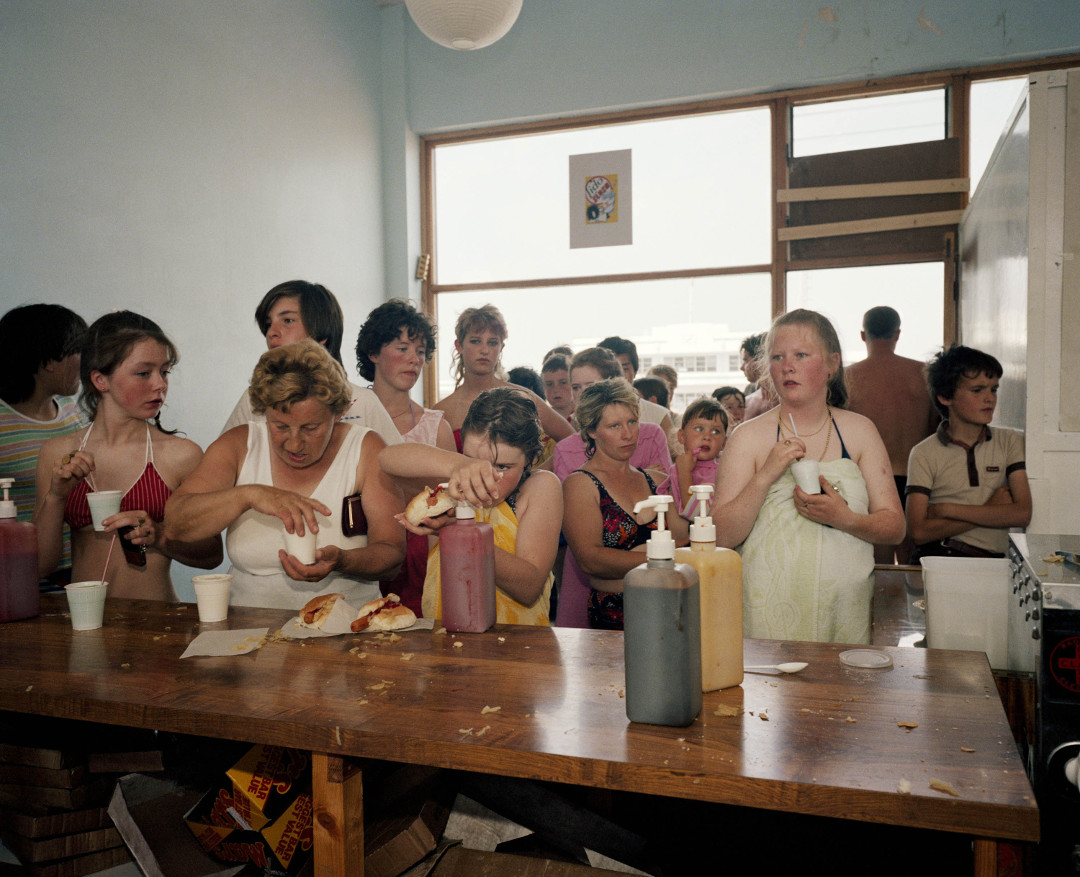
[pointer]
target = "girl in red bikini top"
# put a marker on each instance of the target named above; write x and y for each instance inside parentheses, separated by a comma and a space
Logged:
(124, 369)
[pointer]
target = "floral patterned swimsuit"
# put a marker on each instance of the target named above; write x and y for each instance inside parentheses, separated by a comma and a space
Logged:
(621, 531)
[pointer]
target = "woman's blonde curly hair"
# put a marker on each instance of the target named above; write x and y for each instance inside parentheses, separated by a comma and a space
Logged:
(295, 372)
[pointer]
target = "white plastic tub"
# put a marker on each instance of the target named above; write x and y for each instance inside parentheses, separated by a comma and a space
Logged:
(967, 604)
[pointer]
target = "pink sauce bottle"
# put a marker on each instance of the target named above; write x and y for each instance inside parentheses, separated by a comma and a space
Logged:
(19, 595)
(467, 572)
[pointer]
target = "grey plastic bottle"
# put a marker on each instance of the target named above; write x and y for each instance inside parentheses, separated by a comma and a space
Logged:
(662, 634)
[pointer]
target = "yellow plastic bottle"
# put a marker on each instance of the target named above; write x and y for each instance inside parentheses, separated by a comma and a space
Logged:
(720, 573)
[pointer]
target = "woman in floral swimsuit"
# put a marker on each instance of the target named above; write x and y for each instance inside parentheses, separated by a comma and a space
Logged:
(598, 499)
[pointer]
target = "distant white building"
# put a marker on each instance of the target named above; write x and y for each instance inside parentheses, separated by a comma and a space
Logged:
(706, 356)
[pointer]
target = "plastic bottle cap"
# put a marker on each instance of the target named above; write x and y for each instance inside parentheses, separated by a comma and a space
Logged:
(464, 511)
(661, 545)
(7, 505)
(702, 529)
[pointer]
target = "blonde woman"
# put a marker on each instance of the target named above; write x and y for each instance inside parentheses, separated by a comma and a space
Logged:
(291, 473)
(480, 335)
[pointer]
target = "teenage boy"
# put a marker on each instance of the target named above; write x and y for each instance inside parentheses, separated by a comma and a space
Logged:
(967, 484)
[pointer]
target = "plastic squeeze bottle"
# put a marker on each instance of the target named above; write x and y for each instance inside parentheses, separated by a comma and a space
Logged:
(720, 573)
(19, 595)
(467, 572)
(662, 632)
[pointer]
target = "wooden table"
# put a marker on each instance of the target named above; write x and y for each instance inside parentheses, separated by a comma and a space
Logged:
(827, 741)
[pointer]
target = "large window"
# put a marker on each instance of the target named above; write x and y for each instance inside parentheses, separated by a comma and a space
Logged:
(709, 262)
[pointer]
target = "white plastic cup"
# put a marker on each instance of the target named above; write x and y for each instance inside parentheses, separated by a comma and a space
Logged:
(212, 596)
(86, 600)
(806, 474)
(301, 547)
(102, 504)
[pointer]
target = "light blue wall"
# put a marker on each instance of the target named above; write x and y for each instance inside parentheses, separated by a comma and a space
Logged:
(566, 57)
(179, 158)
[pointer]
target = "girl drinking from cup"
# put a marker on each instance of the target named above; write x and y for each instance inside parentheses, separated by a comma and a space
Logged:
(124, 369)
(808, 557)
(501, 443)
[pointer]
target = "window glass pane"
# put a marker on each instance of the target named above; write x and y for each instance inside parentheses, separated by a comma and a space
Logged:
(844, 294)
(992, 103)
(862, 123)
(701, 191)
(666, 319)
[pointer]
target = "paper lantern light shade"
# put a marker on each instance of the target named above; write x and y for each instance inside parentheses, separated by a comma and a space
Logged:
(464, 24)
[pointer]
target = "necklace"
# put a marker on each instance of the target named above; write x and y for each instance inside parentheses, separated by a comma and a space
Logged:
(783, 426)
(828, 437)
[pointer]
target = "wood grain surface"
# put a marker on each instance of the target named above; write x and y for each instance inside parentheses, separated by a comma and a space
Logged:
(547, 703)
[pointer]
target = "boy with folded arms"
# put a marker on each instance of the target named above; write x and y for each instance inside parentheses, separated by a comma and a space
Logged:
(967, 483)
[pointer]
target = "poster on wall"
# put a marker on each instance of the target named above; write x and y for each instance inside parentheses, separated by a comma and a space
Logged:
(600, 199)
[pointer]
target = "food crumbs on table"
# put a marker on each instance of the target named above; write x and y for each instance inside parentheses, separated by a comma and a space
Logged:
(907, 726)
(482, 731)
(394, 638)
(29, 687)
(156, 638)
(966, 749)
(465, 731)
(851, 720)
(407, 656)
(379, 686)
(763, 716)
(1054, 558)
(168, 628)
(490, 709)
(903, 787)
(942, 786)
(440, 632)
(126, 666)
(458, 644)
(363, 702)
(502, 639)
(725, 710)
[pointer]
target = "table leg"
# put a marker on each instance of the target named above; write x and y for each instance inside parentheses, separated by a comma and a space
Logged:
(986, 858)
(338, 821)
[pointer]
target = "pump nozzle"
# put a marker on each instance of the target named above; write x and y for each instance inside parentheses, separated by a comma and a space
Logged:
(661, 545)
(7, 506)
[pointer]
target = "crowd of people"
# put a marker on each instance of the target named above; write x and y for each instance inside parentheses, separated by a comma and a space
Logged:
(554, 458)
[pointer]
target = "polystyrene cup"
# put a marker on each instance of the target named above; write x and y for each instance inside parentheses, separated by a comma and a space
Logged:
(212, 596)
(301, 547)
(806, 474)
(86, 600)
(102, 504)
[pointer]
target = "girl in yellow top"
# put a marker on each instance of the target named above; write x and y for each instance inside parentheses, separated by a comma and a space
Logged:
(501, 442)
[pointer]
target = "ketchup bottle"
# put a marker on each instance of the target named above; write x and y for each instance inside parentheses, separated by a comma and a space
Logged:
(467, 572)
(19, 595)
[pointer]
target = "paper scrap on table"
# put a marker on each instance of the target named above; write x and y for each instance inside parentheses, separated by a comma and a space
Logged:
(339, 621)
(222, 643)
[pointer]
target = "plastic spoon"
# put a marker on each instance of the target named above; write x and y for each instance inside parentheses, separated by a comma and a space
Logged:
(793, 667)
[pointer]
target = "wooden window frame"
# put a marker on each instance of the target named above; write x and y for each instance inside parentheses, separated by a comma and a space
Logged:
(957, 85)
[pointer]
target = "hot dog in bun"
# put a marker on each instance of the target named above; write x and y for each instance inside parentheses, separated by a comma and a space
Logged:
(386, 613)
(314, 614)
(429, 503)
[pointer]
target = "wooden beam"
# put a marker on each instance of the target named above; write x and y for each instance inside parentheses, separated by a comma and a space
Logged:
(874, 190)
(869, 226)
(338, 823)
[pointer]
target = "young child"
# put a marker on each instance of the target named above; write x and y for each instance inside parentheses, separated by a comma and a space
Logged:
(967, 484)
(702, 434)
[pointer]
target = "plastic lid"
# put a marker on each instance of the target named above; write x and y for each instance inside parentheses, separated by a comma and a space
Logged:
(661, 544)
(702, 529)
(865, 659)
(464, 511)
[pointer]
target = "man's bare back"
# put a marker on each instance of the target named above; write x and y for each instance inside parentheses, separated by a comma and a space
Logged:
(891, 391)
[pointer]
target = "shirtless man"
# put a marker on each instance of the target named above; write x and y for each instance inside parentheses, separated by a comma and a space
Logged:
(891, 391)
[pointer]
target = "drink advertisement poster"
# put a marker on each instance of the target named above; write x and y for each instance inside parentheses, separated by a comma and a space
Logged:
(600, 199)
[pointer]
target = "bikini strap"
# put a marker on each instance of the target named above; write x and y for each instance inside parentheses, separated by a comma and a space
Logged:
(148, 457)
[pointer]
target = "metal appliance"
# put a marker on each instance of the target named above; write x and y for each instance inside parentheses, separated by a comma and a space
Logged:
(1045, 614)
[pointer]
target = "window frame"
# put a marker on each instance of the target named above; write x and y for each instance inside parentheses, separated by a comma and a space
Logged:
(957, 85)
